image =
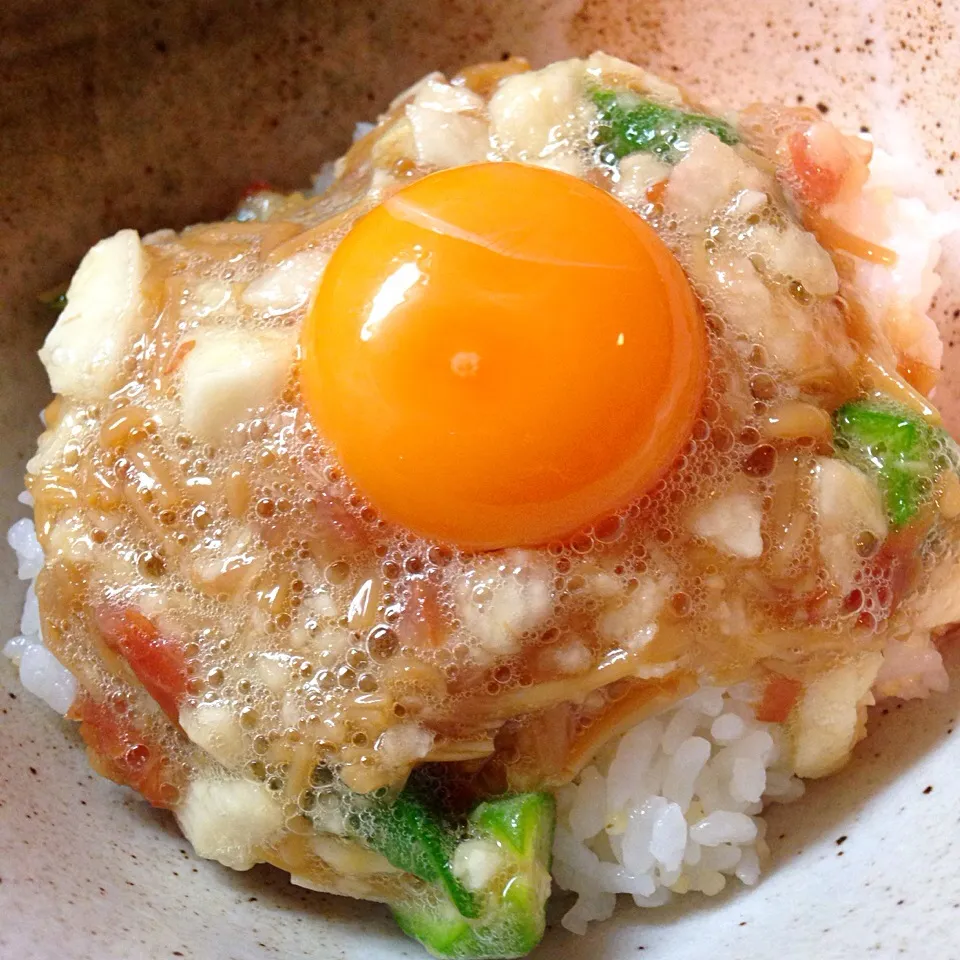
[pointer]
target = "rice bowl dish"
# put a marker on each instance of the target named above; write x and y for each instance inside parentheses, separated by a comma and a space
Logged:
(285, 644)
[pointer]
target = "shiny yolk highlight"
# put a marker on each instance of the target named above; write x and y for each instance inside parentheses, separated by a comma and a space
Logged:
(501, 354)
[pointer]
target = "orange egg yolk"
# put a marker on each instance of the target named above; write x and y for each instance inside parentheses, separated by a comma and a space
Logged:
(500, 354)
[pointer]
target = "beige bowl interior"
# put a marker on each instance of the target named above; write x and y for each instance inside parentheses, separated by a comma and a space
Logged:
(145, 115)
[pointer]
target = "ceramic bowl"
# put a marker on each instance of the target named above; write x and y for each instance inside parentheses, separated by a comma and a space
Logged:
(120, 113)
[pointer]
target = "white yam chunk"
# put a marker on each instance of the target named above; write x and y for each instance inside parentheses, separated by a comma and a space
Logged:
(744, 302)
(637, 174)
(534, 115)
(634, 623)
(53, 441)
(732, 618)
(612, 71)
(747, 202)
(70, 540)
(208, 298)
(276, 670)
(225, 564)
(358, 887)
(230, 821)
(103, 316)
(404, 744)
(396, 142)
(795, 253)
(328, 815)
(434, 94)
(447, 139)
(831, 716)
(409, 95)
(230, 374)
(800, 255)
(707, 178)
(937, 605)
(350, 858)
(732, 524)
(214, 727)
(499, 601)
(567, 658)
(159, 237)
(848, 504)
(289, 285)
(912, 668)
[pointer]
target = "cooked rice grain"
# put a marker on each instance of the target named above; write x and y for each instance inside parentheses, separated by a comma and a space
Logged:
(40, 671)
(672, 807)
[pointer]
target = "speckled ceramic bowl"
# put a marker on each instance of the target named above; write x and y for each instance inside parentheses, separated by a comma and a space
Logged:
(118, 113)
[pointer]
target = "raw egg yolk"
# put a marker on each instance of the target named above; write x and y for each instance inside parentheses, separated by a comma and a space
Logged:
(500, 354)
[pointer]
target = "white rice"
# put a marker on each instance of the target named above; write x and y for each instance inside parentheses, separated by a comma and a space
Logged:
(40, 671)
(672, 807)
(890, 213)
(22, 538)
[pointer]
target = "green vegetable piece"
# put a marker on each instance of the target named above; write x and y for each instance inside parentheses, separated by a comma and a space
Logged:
(416, 840)
(523, 821)
(900, 449)
(512, 919)
(438, 925)
(515, 926)
(628, 123)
